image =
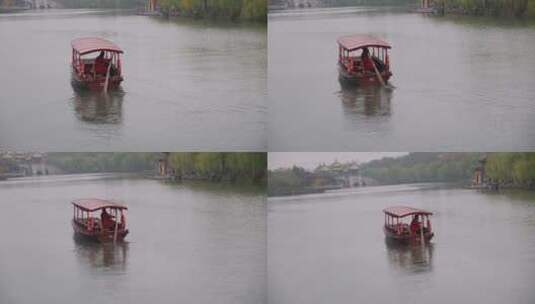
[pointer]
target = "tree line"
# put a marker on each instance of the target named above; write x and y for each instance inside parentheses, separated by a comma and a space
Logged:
(94, 162)
(516, 8)
(218, 166)
(215, 166)
(423, 167)
(412, 168)
(255, 10)
(288, 181)
(512, 168)
(228, 9)
(102, 3)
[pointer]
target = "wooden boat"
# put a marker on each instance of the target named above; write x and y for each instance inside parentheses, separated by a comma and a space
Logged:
(355, 67)
(109, 225)
(96, 64)
(418, 230)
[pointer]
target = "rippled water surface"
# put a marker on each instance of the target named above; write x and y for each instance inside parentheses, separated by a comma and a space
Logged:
(330, 248)
(193, 243)
(188, 84)
(460, 83)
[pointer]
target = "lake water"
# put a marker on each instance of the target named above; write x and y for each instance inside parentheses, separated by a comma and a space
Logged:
(461, 84)
(189, 243)
(330, 248)
(189, 85)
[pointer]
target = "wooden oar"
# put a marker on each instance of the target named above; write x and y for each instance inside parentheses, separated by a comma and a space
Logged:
(381, 80)
(107, 78)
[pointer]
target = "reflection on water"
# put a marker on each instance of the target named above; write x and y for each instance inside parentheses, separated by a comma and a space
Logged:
(411, 258)
(101, 255)
(96, 107)
(365, 100)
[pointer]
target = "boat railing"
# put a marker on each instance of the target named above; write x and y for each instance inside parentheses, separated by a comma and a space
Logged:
(405, 229)
(399, 228)
(353, 64)
(93, 224)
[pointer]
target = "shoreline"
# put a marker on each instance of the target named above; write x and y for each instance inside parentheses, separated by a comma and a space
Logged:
(9, 177)
(437, 10)
(498, 9)
(464, 185)
(205, 179)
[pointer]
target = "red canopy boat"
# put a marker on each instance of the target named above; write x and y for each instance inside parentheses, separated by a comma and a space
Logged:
(361, 58)
(96, 72)
(419, 228)
(110, 225)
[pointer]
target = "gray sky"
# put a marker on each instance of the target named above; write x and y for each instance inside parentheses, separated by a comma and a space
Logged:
(310, 160)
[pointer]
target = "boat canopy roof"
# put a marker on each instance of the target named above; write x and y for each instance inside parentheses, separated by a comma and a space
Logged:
(403, 211)
(354, 42)
(94, 44)
(93, 204)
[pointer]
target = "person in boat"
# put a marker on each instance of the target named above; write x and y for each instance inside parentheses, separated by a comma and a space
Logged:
(415, 224)
(101, 64)
(366, 59)
(106, 219)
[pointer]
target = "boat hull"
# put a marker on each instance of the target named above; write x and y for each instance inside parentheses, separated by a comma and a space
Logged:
(359, 78)
(407, 238)
(96, 84)
(101, 236)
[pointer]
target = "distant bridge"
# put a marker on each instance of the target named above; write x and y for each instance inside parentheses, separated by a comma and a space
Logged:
(35, 4)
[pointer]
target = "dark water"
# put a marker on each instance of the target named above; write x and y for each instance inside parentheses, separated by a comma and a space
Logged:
(330, 248)
(461, 83)
(189, 85)
(192, 243)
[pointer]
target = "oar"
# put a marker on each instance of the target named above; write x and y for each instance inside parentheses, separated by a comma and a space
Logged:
(381, 80)
(107, 78)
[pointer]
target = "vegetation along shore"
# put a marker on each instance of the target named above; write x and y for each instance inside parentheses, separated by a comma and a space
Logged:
(509, 8)
(251, 10)
(240, 167)
(502, 170)
(236, 10)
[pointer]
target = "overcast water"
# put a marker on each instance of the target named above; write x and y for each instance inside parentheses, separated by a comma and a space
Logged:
(330, 248)
(189, 85)
(461, 84)
(188, 243)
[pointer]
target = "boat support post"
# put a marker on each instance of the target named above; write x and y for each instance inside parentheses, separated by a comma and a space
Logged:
(116, 224)
(106, 82)
(422, 230)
